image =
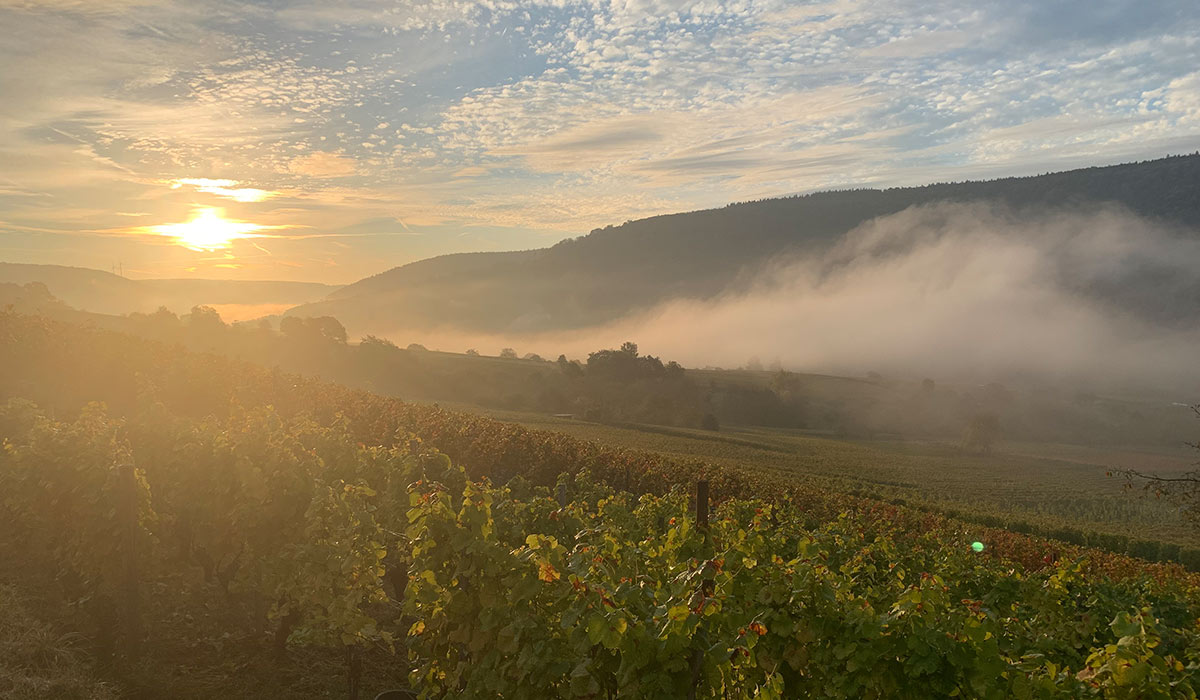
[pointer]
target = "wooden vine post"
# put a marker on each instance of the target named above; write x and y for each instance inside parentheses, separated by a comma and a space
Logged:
(702, 506)
(706, 585)
(353, 671)
(129, 597)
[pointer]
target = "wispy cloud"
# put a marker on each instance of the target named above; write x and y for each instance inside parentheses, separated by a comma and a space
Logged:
(224, 188)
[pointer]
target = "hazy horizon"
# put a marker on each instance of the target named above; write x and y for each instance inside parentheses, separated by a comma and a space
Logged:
(135, 274)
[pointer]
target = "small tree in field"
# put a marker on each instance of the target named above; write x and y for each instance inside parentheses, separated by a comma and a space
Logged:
(981, 433)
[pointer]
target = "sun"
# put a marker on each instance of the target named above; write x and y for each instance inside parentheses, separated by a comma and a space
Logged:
(208, 231)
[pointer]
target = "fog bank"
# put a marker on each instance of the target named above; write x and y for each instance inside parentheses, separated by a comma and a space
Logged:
(961, 291)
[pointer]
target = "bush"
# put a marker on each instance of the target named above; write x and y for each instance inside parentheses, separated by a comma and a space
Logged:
(1144, 549)
(1190, 558)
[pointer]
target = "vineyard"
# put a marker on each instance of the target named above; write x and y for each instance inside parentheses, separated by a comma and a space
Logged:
(1081, 502)
(220, 529)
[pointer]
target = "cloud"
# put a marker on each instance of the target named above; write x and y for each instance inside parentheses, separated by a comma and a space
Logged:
(224, 188)
(77, 6)
(323, 164)
(921, 43)
(595, 144)
(753, 140)
(1091, 21)
(1183, 96)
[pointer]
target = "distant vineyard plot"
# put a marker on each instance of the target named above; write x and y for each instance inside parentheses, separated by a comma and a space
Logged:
(1056, 487)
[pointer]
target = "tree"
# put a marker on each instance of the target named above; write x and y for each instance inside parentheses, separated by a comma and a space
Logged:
(377, 344)
(629, 348)
(571, 369)
(310, 329)
(784, 382)
(981, 433)
(163, 324)
(205, 327)
(1183, 489)
(291, 327)
(508, 354)
(329, 328)
(205, 318)
(472, 352)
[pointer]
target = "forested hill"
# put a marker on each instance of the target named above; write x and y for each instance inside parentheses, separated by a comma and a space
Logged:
(619, 269)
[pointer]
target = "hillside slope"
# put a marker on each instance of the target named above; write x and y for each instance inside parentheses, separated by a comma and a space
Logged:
(618, 270)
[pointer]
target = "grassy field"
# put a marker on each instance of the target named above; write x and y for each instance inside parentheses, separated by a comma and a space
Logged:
(1053, 485)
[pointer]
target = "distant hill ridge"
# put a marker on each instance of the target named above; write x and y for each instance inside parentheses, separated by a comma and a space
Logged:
(617, 270)
(103, 292)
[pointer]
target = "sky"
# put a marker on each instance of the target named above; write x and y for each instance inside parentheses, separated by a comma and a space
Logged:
(327, 141)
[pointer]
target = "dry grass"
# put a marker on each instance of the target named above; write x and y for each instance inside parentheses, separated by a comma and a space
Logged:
(37, 662)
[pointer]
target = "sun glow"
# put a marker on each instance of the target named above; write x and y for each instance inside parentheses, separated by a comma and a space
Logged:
(208, 231)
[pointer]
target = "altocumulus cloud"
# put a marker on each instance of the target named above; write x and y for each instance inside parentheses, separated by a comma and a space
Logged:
(323, 164)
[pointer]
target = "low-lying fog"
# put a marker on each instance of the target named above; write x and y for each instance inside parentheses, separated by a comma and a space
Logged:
(952, 291)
